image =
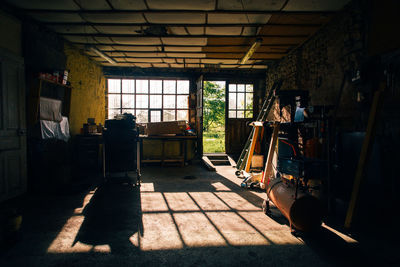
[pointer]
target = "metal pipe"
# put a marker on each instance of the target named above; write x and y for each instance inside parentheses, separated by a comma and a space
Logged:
(304, 212)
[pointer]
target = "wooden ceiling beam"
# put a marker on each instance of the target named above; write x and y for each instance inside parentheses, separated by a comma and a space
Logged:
(170, 11)
(195, 25)
(180, 45)
(185, 36)
(219, 58)
(188, 52)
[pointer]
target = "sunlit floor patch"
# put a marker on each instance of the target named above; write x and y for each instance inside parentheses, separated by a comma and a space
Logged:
(65, 240)
(153, 201)
(346, 238)
(159, 233)
(220, 187)
(235, 230)
(180, 202)
(197, 230)
(208, 201)
(235, 201)
(147, 187)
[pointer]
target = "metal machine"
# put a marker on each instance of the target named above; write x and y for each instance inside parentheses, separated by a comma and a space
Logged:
(293, 169)
(121, 149)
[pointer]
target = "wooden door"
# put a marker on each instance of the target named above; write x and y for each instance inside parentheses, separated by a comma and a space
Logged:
(199, 115)
(12, 127)
(236, 128)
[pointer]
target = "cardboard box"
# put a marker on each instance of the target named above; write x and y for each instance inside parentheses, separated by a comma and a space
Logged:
(166, 127)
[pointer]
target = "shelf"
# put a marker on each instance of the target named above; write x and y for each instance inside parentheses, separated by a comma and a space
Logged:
(56, 83)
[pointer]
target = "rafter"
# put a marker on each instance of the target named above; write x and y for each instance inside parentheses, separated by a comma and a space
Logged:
(310, 25)
(170, 11)
(186, 36)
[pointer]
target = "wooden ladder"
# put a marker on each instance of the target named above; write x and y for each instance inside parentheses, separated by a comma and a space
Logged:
(244, 160)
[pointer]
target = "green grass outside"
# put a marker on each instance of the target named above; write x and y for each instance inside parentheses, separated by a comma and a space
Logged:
(213, 142)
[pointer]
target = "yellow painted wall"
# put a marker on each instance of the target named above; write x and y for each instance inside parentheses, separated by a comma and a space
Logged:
(10, 32)
(88, 89)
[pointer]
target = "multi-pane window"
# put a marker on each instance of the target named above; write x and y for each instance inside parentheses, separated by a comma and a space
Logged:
(149, 100)
(240, 101)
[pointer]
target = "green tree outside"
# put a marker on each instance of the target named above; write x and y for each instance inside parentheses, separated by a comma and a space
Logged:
(213, 117)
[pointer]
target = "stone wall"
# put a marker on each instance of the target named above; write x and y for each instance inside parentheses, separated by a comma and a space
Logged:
(320, 63)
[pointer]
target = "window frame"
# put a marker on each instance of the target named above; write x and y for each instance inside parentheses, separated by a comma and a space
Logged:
(245, 93)
(135, 108)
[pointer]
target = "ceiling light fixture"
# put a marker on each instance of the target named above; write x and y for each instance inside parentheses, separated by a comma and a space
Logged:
(251, 51)
(101, 54)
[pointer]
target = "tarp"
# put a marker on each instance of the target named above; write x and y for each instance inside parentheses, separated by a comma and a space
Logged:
(53, 129)
(50, 109)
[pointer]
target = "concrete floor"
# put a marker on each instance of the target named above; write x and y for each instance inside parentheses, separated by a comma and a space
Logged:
(180, 217)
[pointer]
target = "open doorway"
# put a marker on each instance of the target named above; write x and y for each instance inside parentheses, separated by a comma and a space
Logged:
(214, 117)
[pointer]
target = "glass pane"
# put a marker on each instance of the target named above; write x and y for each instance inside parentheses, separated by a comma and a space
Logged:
(155, 87)
(155, 115)
(128, 101)
(168, 115)
(240, 100)
(249, 114)
(183, 87)
(155, 101)
(182, 101)
(232, 100)
(112, 113)
(169, 101)
(232, 114)
(249, 88)
(142, 115)
(128, 86)
(142, 101)
(240, 114)
(169, 87)
(249, 101)
(183, 115)
(114, 85)
(232, 88)
(142, 86)
(131, 111)
(240, 87)
(114, 101)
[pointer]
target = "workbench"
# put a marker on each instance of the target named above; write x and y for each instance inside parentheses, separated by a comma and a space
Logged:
(168, 148)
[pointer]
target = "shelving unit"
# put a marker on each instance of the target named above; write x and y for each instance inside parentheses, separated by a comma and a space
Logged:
(46, 88)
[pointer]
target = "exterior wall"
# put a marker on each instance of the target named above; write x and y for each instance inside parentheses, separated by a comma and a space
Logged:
(88, 89)
(10, 32)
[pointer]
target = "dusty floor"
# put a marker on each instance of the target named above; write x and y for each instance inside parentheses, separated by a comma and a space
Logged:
(180, 217)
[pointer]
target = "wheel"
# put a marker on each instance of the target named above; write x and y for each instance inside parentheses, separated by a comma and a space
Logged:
(238, 173)
(265, 207)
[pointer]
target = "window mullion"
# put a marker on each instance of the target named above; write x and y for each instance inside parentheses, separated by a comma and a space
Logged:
(176, 100)
(162, 100)
(135, 108)
(148, 100)
(120, 92)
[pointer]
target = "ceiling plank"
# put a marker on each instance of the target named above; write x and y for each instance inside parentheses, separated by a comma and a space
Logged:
(185, 36)
(170, 11)
(301, 25)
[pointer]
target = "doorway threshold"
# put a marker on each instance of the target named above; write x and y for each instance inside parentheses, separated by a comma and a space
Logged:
(211, 160)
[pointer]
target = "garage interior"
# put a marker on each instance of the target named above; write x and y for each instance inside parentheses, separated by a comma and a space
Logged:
(106, 110)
